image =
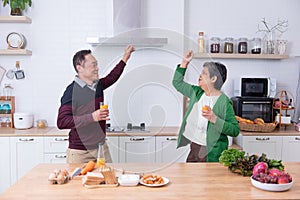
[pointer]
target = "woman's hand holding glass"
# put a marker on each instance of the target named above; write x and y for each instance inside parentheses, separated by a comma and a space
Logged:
(209, 114)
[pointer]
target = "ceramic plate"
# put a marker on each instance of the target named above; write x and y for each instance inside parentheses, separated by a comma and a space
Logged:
(271, 187)
(166, 181)
(15, 40)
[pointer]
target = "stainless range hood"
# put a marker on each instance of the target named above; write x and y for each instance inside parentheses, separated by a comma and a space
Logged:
(121, 41)
(126, 27)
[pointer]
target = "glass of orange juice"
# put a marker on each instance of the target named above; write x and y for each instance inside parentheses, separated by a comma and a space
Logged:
(100, 157)
(205, 107)
(102, 105)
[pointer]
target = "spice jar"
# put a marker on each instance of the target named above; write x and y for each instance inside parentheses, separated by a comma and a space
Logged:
(215, 45)
(255, 45)
(243, 45)
(228, 45)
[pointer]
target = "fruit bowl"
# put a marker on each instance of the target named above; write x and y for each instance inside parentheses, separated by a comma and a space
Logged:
(270, 186)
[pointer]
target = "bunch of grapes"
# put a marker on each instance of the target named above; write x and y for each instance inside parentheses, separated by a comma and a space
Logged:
(282, 178)
(265, 178)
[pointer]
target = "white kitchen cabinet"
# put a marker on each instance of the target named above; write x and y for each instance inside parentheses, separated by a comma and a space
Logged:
(55, 148)
(113, 145)
(166, 150)
(134, 149)
(270, 145)
(290, 148)
(26, 153)
(4, 164)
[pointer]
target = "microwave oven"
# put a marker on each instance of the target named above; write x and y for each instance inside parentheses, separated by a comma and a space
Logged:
(255, 87)
(254, 107)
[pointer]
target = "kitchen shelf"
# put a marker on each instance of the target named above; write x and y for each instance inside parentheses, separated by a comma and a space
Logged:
(241, 56)
(283, 111)
(15, 52)
(10, 100)
(15, 19)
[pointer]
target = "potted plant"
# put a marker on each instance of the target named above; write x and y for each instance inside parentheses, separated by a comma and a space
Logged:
(17, 6)
(269, 30)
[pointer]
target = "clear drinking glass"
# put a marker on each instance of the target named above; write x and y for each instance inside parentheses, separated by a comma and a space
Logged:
(100, 157)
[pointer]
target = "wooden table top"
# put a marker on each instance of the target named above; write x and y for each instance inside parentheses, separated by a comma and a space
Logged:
(187, 181)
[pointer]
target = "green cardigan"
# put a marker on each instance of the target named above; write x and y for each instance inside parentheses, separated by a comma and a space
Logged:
(226, 124)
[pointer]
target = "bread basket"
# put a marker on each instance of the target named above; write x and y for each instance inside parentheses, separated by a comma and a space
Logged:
(266, 127)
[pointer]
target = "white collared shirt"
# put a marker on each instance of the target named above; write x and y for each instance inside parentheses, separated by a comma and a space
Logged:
(196, 124)
(82, 83)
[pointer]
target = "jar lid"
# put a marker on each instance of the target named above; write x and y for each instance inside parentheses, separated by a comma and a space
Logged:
(228, 38)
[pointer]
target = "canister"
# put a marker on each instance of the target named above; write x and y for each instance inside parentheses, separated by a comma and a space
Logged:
(228, 45)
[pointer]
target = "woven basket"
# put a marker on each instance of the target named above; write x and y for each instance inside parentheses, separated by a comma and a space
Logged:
(266, 127)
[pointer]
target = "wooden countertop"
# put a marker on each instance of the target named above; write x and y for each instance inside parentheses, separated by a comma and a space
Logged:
(54, 131)
(289, 131)
(187, 181)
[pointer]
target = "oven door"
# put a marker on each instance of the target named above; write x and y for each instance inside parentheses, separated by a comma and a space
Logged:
(254, 87)
(252, 109)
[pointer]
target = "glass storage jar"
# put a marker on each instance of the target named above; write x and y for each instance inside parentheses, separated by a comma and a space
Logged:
(215, 45)
(228, 45)
(243, 45)
(255, 46)
(7, 91)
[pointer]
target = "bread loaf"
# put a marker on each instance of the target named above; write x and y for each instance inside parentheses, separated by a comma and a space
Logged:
(259, 121)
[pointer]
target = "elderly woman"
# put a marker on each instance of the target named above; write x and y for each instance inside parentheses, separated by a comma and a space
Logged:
(210, 117)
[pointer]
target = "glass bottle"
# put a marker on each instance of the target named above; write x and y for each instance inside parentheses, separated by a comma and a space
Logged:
(243, 45)
(255, 45)
(100, 157)
(228, 45)
(201, 43)
(215, 45)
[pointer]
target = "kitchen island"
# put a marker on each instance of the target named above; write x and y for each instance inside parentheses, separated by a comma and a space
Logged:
(187, 181)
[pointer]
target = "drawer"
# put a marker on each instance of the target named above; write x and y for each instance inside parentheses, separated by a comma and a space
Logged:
(56, 144)
(55, 158)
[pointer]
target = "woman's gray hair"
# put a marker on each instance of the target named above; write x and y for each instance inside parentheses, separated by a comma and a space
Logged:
(219, 70)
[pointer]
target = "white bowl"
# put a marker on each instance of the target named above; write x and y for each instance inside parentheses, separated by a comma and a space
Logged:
(129, 179)
(271, 187)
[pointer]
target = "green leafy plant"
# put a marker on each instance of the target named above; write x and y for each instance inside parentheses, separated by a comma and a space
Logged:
(242, 163)
(17, 5)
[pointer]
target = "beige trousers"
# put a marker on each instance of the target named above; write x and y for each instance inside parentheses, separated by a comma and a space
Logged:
(84, 156)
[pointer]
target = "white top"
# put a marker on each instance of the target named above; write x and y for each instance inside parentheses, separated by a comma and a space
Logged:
(196, 124)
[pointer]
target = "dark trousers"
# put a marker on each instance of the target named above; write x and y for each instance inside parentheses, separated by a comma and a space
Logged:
(197, 153)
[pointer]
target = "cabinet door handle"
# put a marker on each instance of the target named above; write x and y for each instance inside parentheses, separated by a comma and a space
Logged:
(171, 139)
(137, 139)
(61, 139)
(60, 156)
(26, 140)
(296, 138)
(262, 139)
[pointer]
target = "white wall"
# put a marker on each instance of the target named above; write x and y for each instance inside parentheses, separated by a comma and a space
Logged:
(236, 19)
(59, 29)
